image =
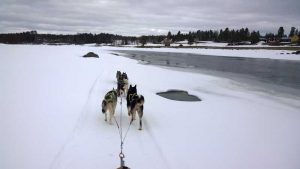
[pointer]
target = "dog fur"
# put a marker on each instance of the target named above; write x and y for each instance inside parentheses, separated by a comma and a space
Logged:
(118, 75)
(122, 81)
(109, 104)
(135, 104)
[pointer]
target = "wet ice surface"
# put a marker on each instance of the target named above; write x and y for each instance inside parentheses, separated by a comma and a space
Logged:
(270, 74)
(178, 95)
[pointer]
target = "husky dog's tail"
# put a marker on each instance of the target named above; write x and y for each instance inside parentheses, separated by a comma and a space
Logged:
(141, 100)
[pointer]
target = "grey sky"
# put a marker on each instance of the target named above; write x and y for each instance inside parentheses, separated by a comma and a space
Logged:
(137, 17)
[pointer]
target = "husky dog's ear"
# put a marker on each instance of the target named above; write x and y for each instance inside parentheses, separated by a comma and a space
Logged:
(130, 86)
(135, 86)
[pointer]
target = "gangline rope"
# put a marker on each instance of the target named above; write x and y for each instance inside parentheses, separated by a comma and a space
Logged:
(122, 139)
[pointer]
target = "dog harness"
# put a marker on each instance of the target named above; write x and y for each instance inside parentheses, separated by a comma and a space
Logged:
(122, 81)
(131, 96)
(110, 96)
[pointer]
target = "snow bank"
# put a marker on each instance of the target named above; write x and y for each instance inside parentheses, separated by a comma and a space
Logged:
(51, 116)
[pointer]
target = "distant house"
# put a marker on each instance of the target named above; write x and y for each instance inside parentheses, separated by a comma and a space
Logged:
(117, 42)
(264, 39)
(167, 42)
(132, 42)
(273, 41)
(184, 42)
(279, 41)
(285, 40)
(33, 32)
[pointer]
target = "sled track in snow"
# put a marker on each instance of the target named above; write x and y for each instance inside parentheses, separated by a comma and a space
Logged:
(57, 158)
(158, 148)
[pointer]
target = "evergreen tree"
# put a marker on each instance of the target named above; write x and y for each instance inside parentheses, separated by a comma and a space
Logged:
(292, 32)
(231, 35)
(237, 36)
(215, 36)
(169, 36)
(190, 39)
(242, 35)
(247, 34)
(254, 37)
(143, 40)
(280, 32)
(221, 38)
(178, 36)
(226, 35)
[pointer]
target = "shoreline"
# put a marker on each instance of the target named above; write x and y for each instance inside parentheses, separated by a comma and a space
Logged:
(248, 81)
(290, 48)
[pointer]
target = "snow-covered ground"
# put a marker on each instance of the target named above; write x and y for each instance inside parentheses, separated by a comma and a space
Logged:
(50, 100)
(212, 44)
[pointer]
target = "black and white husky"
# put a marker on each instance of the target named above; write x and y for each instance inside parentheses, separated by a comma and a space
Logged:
(109, 104)
(122, 81)
(135, 103)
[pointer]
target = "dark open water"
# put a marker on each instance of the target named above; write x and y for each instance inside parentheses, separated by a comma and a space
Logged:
(285, 73)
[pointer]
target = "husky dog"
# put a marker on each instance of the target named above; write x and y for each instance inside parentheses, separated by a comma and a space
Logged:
(122, 87)
(118, 75)
(135, 103)
(109, 104)
(122, 83)
(124, 76)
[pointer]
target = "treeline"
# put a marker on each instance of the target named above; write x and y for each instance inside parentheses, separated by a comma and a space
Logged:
(226, 35)
(84, 38)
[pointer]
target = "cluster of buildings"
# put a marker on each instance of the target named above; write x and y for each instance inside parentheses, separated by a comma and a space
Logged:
(281, 41)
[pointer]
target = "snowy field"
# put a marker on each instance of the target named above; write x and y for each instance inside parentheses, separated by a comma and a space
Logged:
(212, 44)
(51, 118)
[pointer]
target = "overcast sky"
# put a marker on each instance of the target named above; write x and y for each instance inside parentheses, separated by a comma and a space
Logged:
(137, 17)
